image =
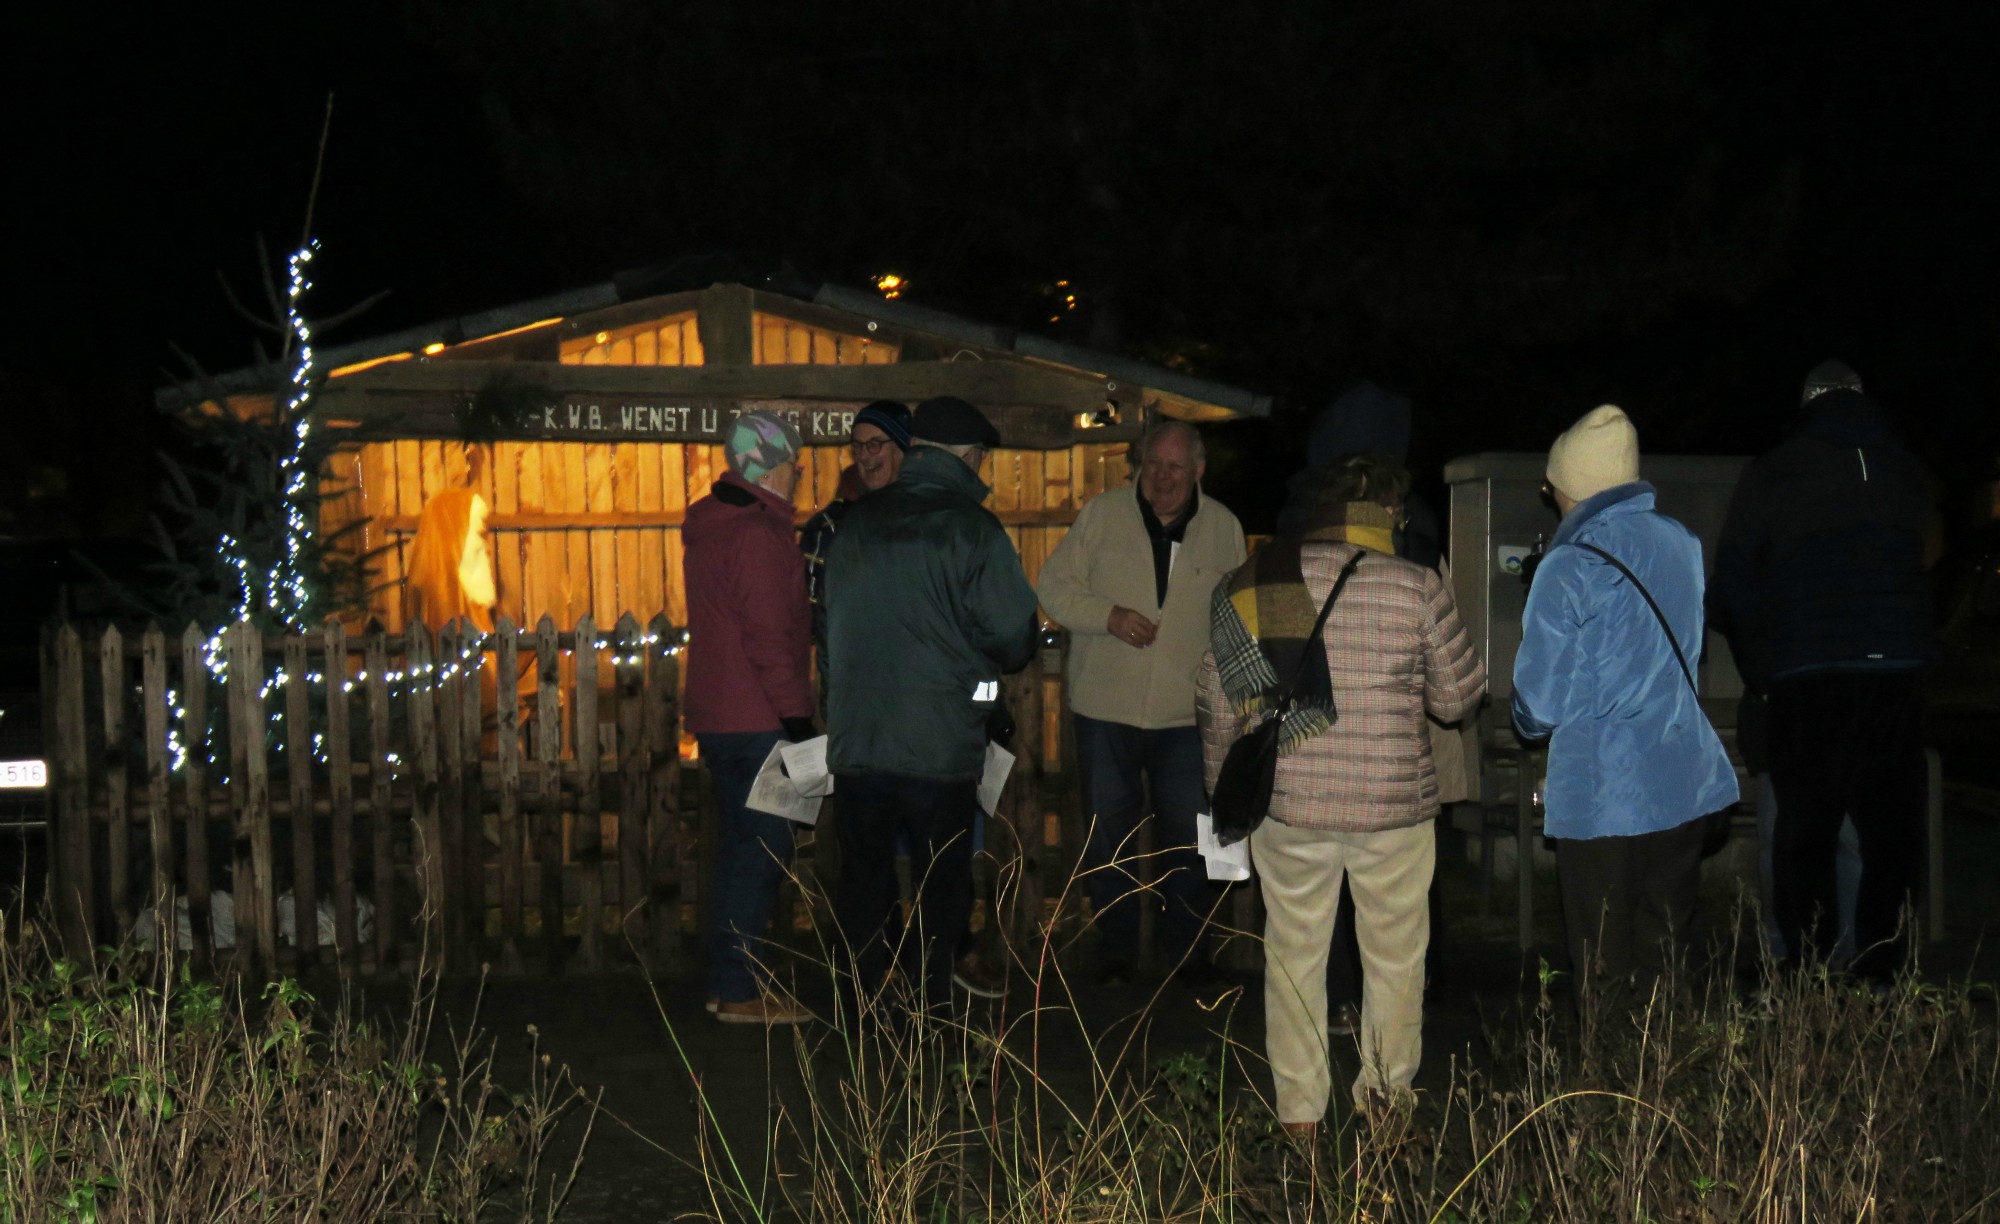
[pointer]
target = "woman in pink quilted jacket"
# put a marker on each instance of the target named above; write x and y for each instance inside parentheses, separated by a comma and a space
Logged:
(1356, 790)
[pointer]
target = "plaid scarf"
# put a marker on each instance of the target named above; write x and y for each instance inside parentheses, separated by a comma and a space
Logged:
(1261, 618)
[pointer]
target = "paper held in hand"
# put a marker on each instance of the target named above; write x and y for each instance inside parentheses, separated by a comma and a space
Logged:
(993, 777)
(792, 781)
(1231, 862)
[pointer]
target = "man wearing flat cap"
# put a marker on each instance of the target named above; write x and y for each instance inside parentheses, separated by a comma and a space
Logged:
(920, 574)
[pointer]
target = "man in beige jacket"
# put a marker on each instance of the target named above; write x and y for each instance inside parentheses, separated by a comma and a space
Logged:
(1131, 581)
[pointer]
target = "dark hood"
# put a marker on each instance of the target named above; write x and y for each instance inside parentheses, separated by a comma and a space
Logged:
(1845, 418)
(1365, 417)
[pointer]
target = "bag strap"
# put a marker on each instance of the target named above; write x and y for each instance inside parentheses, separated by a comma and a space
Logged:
(1319, 626)
(1658, 615)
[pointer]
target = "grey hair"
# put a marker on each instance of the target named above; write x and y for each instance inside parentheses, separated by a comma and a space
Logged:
(1197, 451)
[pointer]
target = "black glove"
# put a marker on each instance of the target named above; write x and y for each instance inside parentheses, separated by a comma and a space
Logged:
(1000, 726)
(799, 730)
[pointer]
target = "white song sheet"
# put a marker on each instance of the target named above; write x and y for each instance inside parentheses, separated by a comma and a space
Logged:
(999, 763)
(1230, 862)
(792, 781)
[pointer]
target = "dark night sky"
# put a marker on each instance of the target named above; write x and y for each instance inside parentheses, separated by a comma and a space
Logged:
(1514, 214)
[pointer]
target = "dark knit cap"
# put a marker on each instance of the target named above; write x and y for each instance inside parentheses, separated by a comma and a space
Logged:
(891, 418)
(949, 420)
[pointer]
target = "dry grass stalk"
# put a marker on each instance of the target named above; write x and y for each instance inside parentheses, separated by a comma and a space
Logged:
(130, 1092)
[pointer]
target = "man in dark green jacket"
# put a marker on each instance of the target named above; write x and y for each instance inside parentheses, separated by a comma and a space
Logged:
(927, 608)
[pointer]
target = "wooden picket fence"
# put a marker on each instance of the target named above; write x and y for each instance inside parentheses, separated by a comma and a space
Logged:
(411, 780)
(409, 791)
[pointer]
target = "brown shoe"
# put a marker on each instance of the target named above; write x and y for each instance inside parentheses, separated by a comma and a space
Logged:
(768, 1010)
(974, 976)
(1302, 1132)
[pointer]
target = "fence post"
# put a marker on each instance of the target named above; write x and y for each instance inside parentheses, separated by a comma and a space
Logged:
(159, 818)
(117, 780)
(449, 811)
(194, 698)
(1058, 797)
(298, 765)
(340, 787)
(72, 871)
(548, 753)
(381, 788)
(427, 853)
(512, 848)
(255, 906)
(471, 863)
(663, 814)
(634, 752)
(587, 827)
(1021, 812)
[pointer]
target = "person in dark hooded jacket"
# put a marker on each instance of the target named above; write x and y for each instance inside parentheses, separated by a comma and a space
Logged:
(1364, 418)
(1821, 589)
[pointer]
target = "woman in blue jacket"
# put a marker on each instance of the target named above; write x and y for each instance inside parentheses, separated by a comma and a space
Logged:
(1633, 762)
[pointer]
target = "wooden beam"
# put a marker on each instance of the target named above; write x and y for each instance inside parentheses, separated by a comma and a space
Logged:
(981, 382)
(629, 314)
(725, 325)
(1034, 407)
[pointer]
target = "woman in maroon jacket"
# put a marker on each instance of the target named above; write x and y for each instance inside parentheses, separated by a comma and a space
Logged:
(749, 645)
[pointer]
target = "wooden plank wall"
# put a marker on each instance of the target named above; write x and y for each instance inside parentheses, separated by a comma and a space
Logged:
(605, 569)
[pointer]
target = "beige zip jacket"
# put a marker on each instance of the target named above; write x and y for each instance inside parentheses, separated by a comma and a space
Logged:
(1106, 561)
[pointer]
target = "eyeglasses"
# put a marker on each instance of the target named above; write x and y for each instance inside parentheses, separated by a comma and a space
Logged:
(872, 447)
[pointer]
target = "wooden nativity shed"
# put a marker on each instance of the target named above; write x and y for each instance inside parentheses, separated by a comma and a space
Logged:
(510, 788)
(612, 412)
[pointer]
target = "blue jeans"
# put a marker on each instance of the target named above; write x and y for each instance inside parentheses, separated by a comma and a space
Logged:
(751, 853)
(1113, 758)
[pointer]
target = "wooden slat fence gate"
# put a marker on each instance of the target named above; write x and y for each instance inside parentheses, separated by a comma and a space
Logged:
(377, 800)
(456, 799)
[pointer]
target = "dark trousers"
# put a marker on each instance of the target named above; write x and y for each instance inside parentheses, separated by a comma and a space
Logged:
(1628, 902)
(751, 853)
(1117, 763)
(1846, 744)
(870, 812)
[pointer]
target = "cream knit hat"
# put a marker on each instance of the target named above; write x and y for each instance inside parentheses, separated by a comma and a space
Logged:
(1599, 452)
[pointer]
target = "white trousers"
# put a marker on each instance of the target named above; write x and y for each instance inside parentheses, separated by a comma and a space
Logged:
(1389, 873)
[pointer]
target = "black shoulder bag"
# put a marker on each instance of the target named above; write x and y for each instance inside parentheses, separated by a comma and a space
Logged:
(1715, 832)
(1243, 786)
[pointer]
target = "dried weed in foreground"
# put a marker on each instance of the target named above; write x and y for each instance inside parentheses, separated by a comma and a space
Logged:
(130, 1093)
(1814, 1097)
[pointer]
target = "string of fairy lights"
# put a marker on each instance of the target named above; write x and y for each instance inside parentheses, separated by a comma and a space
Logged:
(284, 590)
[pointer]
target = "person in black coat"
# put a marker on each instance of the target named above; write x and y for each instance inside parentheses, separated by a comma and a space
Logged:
(1821, 588)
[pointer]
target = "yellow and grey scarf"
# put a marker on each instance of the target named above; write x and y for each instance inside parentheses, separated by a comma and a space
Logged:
(1261, 617)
